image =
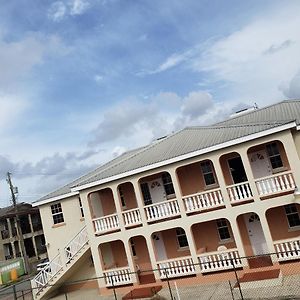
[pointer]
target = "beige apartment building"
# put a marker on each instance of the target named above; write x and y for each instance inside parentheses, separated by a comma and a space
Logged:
(185, 203)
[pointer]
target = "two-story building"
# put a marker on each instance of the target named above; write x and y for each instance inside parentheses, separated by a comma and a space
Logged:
(30, 229)
(185, 203)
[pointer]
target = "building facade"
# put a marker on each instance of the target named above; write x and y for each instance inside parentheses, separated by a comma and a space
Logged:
(186, 203)
(31, 231)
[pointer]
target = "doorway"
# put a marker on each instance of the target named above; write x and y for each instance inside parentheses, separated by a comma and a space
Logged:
(260, 164)
(256, 234)
(237, 170)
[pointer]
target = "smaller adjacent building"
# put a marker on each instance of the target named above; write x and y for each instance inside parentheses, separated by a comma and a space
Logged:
(31, 230)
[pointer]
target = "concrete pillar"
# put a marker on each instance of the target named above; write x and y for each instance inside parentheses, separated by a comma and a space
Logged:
(249, 173)
(30, 223)
(34, 246)
(177, 190)
(152, 257)
(139, 200)
(118, 207)
(130, 261)
(13, 249)
(9, 228)
(221, 181)
(192, 247)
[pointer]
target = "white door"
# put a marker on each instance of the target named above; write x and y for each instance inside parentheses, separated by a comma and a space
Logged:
(157, 190)
(260, 164)
(159, 246)
(255, 233)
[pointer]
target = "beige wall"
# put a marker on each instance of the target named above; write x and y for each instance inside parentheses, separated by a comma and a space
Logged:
(296, 136)
(278, 224)
(172, 246)
(57, 236)
(207, 238)
(129, 195)
(190, 179)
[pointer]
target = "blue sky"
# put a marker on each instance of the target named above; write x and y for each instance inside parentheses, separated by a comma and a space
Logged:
(82, 81)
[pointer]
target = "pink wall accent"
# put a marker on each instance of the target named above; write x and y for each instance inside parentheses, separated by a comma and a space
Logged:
(129, 195)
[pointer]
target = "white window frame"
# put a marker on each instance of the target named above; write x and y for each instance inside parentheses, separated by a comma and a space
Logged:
(56, 209)
(180, 233)
(291, 213)
(81, 208)
(223, 226)
(215, 184)
(274, 155)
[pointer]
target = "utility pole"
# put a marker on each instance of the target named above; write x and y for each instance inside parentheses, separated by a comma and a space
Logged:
(18, 225)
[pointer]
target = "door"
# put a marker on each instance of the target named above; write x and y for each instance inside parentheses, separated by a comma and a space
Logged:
(157, 190)
(237, 170)
(260, 164)
(255, 233)
(159, 246)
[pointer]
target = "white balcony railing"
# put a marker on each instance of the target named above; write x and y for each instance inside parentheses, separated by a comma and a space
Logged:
(106, 224)
(76, 244)
(171, 268)
(278, 183)
(288, 249)
(47, 273)
(219, 260)
(162, 210)
(203, 200)
(116, 277)
(239, 192)
(132, 217)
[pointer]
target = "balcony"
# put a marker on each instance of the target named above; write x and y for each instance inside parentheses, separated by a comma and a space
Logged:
(275, 184)
(4, 234)
(203, 201)
(106, 224)
(288, 249)
(162, 210)
(117, 277)
(239, 193)
(219, 260)
(179, 267)
(132, 217)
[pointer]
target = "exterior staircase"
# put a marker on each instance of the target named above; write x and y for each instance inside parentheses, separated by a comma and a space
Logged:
(52, 274)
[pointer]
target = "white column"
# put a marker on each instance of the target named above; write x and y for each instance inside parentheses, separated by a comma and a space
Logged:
(130, 261)
(249, 173)
(192, 247)
(30, 223)
(267, 234)
(34, 246)
(152, 257)
(118, 207)
(221, 181)
(177, 190)
(139, 200)
(13, 249)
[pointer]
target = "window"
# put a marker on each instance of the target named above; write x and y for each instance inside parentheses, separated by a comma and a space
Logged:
(292, 215)
(81, 208)
(223, 229)
(146, 193)
(122, 197)
(132, 245)
(274, 155)
(181, 238)
(168, 185)
(57, 213)
(208, 173)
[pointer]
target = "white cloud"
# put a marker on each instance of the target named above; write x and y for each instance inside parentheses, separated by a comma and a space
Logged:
(98, 78)
(78, 7)
(258, 59)
(57, 11)
(61, 9)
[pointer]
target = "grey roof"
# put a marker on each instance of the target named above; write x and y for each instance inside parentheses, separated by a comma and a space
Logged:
(191, 139)
(22, 208)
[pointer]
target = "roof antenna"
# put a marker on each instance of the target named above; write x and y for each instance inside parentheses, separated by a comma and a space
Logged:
(255, 106)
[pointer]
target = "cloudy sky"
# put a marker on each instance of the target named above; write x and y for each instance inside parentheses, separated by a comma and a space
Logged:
(81, 81)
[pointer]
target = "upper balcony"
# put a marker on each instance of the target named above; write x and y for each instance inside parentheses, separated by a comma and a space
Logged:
(263, 172)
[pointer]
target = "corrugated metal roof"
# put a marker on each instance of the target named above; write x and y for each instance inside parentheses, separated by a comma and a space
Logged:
(191, 139)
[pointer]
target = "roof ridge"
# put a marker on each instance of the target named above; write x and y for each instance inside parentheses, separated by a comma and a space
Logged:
(143, 150)
(259, 109)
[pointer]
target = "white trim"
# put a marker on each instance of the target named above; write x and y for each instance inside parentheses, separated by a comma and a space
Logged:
(39, 203)
(188, 155)
(298, 127)
(75, 190)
